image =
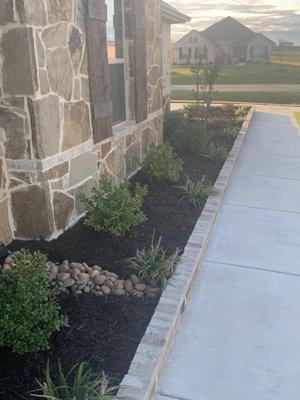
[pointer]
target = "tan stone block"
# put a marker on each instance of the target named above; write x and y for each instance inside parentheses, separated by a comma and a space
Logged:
(60, 72)
(45, 121)
(60, 10)
(19, 66)
(44, 84)
(77, 124)
(83, 190)
(132, 158)
(55, 36)
(31, 209)
(105, 148)
(75, 46)
(63, 206)
(5, 231)
(82, 167)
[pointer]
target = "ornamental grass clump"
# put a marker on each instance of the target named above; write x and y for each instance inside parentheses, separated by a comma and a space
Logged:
(29, 311)
(112, 208)
(153, 265)
(162, 164)
(218, 154)
(80, 383)
(196, 193)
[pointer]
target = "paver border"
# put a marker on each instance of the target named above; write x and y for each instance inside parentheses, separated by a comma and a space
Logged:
(142, 379)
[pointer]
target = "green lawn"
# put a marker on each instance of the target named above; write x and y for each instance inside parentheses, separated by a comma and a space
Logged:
(297, 115)
(262, 96)
(271, 73)
(284, 69)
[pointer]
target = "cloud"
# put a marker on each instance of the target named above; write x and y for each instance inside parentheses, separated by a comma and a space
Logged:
(259, 15)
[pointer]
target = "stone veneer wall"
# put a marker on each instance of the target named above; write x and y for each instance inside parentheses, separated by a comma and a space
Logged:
(49, 159)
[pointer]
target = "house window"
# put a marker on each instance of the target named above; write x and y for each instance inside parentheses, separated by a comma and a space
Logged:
(115, 49)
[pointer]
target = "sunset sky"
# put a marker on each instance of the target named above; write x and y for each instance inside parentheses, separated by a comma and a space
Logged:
(278, 19)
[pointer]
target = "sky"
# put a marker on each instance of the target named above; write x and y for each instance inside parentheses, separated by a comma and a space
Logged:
(277, 19)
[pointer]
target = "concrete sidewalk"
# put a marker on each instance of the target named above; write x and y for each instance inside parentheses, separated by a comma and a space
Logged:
(240, 335)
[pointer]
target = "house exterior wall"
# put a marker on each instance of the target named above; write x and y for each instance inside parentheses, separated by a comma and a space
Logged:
(190, 43)
(48, 158)
(259, 50)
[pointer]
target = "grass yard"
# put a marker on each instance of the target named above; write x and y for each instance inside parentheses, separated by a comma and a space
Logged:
(287, 55)
(271, 73)
(297, 116)
(270, 96)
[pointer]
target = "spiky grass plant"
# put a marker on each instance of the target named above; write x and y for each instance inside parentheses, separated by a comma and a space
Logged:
(80, 383)
(196, 193)
(230, 133)
(218, 154)
(153, 265)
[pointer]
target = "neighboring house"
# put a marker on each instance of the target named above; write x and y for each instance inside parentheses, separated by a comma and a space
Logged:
(81, 85)
(169, 16)
(233, 41)
(195, 47)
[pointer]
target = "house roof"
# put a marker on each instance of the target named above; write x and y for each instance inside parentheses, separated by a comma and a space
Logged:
(199, 34)
(230, 29)
(173, 16)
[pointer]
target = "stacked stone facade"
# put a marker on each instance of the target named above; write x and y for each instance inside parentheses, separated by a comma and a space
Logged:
(48, 158)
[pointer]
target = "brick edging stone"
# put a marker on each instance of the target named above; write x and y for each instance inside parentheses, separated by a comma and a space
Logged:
(144, 373)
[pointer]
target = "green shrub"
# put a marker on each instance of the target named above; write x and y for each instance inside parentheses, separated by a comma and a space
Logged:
(153, 265)
(196, 192)
(113, 209)
(193, 112)
(218, 154)
(190, 138)
(162, 164)
(29, 311)
(80, 383)
(172, 121)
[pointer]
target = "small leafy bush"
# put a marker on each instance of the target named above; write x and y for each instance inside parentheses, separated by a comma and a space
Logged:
(217, 153)
(196, 192)
(190, 138)
(113, 209)
(193, 112)
(153, 265)
(29, 311)
(241, 112)
(80, 383)
(172, 121)
(162, 164)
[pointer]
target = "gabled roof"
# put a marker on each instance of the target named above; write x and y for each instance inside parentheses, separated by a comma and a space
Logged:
(228, 29)
(199, 34)
(173, 16)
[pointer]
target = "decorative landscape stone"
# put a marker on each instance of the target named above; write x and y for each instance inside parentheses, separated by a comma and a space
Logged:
(79, 279)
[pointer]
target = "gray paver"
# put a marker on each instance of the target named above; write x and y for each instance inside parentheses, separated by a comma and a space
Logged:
(239, 337)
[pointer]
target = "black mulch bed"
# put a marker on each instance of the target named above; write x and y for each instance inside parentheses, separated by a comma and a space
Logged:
(106, 331)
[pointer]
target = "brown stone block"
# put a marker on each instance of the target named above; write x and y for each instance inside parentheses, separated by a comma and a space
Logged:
(105, 148)
(60, 10)
(6, 11)
(132, 158)
(45, 121)
(31, 209)
(32, 12)
(57, 172)
(13, 125)
(19, 65)
(77, 124)
(5, 231)
(75, 47)
(82, 167)
(83, 190)
(63, 207)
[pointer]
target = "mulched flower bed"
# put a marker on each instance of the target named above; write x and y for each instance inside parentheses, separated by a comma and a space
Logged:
(107, 331)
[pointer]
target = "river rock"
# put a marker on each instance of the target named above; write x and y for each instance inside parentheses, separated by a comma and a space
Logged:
(69, 282)
(134, 279)
(84, 277)
(93, 273)
(109, 284)
(128, 285)
(105, 289)
(54, 272)
(63, 268)
(99, 280)
(119, 292)
(97, 268)
(137, 293)
(87, 290)
(119, 284)
(78, 292)
(140, 287)
(75, 273)
(63, 276)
